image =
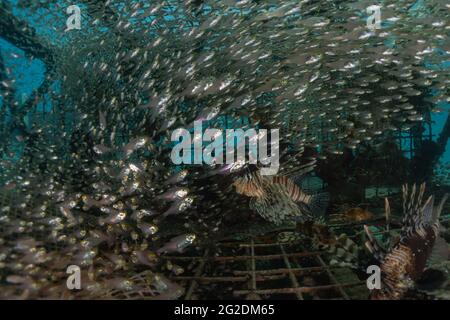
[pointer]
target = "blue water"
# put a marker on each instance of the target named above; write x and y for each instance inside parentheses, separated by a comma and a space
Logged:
(29, 73)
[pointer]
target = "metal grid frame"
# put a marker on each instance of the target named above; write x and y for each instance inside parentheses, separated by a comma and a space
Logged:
(254, 281)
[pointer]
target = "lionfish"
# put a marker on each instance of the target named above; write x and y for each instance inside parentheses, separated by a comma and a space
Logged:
(405, 262)
(279, 199)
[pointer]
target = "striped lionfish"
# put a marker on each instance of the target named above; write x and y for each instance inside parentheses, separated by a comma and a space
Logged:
(279, 199)
(405, 262)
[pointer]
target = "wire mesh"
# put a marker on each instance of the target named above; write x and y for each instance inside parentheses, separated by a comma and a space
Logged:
(263, 270)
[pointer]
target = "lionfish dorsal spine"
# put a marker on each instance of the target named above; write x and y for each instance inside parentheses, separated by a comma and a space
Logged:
(439, 208)
(372, 245)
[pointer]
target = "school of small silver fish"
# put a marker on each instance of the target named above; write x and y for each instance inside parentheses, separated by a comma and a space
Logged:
(91, 182)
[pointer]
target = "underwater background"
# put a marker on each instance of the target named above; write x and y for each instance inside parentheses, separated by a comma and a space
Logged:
(86, 177)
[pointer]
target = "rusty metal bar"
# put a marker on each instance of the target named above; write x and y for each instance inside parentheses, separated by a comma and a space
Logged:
(198, 272)
(262, 278)
(248, 267)
(253, 265)
(379, 220)
(256, 245)
(294, 290)
(240, 258)
(210, 279)
(291, 274)
(258, 278)
(333, 279)
(285, 270)
(322, 269)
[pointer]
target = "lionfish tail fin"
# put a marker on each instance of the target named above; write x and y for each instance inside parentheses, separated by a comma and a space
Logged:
(319, 203)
